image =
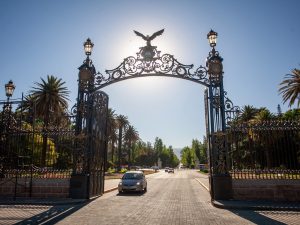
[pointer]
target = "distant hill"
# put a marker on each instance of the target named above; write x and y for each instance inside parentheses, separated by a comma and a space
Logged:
(177, 152)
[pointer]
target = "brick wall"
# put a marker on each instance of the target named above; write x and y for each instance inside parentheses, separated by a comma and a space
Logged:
(276, 190)
(41, 188)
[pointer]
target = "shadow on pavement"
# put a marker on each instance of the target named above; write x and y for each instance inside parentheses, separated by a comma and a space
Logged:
(53, 215)
(131, 193)
(255, 217)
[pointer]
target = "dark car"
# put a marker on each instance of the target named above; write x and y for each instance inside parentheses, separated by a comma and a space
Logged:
(171, 170)
(133, 181)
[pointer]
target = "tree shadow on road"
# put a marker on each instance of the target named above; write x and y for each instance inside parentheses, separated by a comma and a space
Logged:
(256, 217)
(54, 214)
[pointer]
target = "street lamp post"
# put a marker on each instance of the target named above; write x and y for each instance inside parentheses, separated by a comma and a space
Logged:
(221, 184)
(84, 105)
(9, 90)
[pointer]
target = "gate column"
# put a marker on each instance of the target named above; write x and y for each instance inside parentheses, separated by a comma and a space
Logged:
(89, 154)
(220, 180)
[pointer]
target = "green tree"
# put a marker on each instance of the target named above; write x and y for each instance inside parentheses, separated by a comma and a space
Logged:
(292, 114)
(264, 114)
(158, 148)
(196, 146)
(111, 131)
(200, 150)
(130, 137)
(290, 88)
(248, 113)
(188, 157)
(50, 98)
(122, 122)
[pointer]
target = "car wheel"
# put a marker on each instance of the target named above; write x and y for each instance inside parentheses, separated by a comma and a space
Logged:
(145, 190)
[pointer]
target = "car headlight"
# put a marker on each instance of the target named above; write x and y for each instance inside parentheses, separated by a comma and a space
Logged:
(138, 183)
(120, 183)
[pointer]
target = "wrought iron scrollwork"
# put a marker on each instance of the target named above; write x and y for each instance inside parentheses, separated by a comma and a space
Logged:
(231, 111)
(152, 65)
(219, 153)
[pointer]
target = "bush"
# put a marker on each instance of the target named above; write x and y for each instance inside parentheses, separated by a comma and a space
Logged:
(123, 170)
(204, 170)
(111, 170)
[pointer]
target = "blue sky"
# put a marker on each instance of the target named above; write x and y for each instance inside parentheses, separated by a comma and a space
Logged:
(259, 41)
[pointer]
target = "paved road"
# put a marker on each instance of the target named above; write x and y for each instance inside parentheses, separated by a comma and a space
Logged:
(172, 199)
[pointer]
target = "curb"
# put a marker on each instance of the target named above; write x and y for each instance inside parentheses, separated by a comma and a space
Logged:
(243, 206)
(50, 202)
(203, 185)
(111, 189)
(255, 207)
(43, 202)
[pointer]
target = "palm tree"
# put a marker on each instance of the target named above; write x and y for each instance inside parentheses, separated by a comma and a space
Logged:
(122, 122)
(131, 136)
(290, 88)
(292, 114)
(50, 97)
(248, 113)
(264, 114)
(111, 131)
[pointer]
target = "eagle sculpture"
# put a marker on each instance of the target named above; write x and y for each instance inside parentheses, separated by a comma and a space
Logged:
(149, 38)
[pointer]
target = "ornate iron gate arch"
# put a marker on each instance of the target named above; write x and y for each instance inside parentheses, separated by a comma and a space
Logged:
(219, 110)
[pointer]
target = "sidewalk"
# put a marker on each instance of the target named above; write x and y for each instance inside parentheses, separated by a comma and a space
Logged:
(109, 185)
(248, 205)
(256, 205)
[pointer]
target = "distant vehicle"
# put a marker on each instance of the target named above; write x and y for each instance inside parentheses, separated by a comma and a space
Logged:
(167, 169)
(133, 181)
(155, 168)
(135, 167)
(171, 170)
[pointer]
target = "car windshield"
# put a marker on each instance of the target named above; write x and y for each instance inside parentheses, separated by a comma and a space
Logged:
(134, 176)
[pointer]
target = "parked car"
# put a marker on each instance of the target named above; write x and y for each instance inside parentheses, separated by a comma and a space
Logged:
(156, 168)
(167, 169)
(133, 181)
(171, 170)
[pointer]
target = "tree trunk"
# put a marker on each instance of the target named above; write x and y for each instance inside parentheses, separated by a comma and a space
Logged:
(119, 148)
(112, 151)
(45, 138)
(129, 154)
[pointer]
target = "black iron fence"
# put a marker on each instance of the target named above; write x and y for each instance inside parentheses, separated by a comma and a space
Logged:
(29, 148)
(264, 150)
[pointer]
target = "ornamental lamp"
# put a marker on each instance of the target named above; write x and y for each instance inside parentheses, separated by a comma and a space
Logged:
(212, 38)
(88, 47)
(9, 88)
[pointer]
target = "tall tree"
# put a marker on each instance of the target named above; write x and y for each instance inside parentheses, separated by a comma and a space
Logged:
(111, 131)
(263, 114)
(188, 157)
(122, 122)
(158, 148)
(130, 137)
(248, 113)
(290, 88)
(196, 146)
(51, 101)
(292, 114)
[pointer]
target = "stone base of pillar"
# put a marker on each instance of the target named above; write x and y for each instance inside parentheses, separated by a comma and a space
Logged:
(79, 186)
(222, 187)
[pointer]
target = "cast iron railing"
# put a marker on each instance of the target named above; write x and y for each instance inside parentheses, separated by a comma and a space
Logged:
(264, 150)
